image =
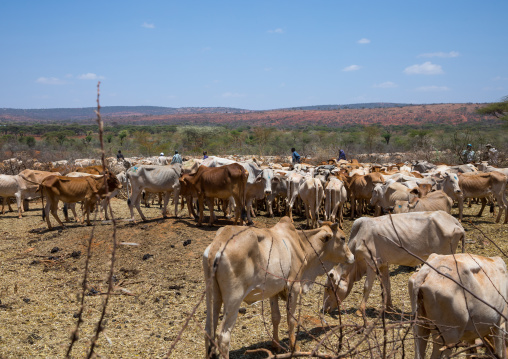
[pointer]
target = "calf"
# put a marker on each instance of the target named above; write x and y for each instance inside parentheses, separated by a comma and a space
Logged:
(446, 314)
(360, 188)
(421, 233)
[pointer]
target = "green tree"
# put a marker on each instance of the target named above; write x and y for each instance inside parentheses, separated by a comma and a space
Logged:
(109, 137)
(497, 109)
(122, 134)
(370, 134)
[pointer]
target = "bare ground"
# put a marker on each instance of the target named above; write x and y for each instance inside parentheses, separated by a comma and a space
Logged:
(41, 273)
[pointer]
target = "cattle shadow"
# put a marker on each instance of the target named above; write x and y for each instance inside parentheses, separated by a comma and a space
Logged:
(394, 314)
(205, 226)
(302, 336)
(402, 269)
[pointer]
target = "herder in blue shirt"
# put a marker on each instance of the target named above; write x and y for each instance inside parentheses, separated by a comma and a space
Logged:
(296, 156)
(176, 158)
(342, 155)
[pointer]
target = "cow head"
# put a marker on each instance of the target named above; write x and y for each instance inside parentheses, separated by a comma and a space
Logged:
(336, 288)
(451, 179)
(334, 239)
(267, 176)
(112, 181)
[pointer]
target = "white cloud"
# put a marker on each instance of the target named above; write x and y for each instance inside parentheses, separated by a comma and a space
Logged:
(90, 76)
(50, 81)
(231, 94)
(364, 41)
(385, 85)
(427, 68)
(432, 88)
(276, 31)
(148, 26)
(351, 68)
(440, 54)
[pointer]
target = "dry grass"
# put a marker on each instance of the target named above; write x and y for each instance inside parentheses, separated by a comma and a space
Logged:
(39, 290)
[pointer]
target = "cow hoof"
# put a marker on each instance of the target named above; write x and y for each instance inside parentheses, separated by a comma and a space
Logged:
(250, 223)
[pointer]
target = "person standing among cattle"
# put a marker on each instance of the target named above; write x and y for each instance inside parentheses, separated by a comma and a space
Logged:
(205, 155)
(176, 158)
(491, 155)
(468, 155)
(119, 156)
(295, 157)
(342, 155)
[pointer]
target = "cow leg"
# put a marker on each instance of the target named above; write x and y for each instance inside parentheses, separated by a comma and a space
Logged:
(165, 205)
(353, 207)
(385, 277)
(461, 207)
(47, 209)
(211, 206)
(176, 198)
(275, 312)
(421, 336)
(18, 202)
(307, 214)
(269, 203)
(214, 302)
(367, 287)
(3, 205)
(503, 206)
(341, 215)
(137, 204)
(72, 207)
(250, 212)
(484, 203)
(291, 309)
(201, 203)
(54, 212)
(231, 306)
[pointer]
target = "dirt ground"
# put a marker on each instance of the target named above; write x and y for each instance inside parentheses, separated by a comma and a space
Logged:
(41, 273)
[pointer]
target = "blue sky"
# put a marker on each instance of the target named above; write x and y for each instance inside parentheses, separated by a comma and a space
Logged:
(255, 55)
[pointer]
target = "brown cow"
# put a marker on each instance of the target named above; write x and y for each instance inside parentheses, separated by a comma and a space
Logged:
(93, 170)
(71, 190)
(216, 182)
(359, 187)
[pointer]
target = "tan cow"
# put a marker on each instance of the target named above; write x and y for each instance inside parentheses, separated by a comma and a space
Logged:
(446, 314)
(216, 182)
(71, 190)
(252, 264)
(421, 233)
(311, 192)
(434, 201)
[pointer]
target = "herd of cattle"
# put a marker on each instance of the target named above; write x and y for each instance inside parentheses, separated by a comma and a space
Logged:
(463, 296)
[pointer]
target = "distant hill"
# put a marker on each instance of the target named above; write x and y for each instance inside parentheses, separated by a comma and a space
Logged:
(323, 115)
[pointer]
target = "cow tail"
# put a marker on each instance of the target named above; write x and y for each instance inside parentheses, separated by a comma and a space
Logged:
(317, 199)
(42, 198)
(128, 192)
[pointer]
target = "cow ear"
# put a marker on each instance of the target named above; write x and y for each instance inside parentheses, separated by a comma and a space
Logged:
(320, 223)
(259, 178)
(334, 227)
(415, 191)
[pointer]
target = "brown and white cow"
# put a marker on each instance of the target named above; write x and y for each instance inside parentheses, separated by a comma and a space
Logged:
(216, 182)
(71, 190)
(446, 314)
(246, 264)
(377, 239)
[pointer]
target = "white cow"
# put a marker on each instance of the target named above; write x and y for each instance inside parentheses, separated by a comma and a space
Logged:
(12, 186)
(311, 192)
(251, 264)
(259, 185)
(447, 314)
(421, 233)
(153, 179)
(335, 197)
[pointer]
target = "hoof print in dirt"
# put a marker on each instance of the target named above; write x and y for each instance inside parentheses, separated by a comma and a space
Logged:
(147, 256)
(187, 242)
(93, 291)
(32, 338)
(54, 250)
